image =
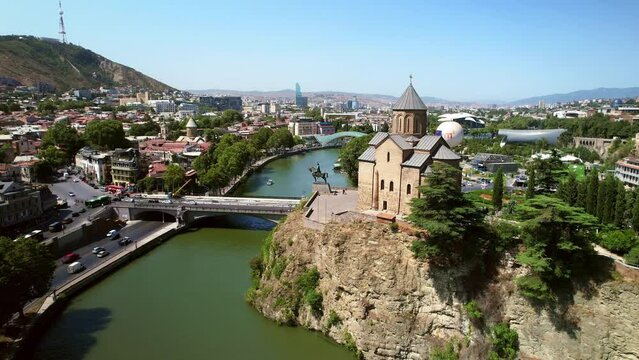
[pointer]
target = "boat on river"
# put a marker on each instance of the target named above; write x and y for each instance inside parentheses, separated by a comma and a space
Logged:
(269, 182)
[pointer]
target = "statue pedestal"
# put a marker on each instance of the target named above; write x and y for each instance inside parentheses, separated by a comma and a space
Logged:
(322, 188)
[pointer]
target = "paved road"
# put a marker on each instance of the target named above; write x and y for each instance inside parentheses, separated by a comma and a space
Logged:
(135, 230)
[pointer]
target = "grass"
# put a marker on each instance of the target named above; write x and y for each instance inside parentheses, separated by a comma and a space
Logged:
(579, 170)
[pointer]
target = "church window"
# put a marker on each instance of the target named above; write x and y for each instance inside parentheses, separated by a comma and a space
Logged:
(408, 189)
(384, 205)
(381, 185)
(388, 156)
(390, 186)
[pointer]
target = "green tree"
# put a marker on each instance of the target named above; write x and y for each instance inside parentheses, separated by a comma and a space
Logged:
(568, 189)
(444, 353)
(260, 138)
(229, 117)
(600, 210)
(43, 171)
(532, 183)
(557, 238)
(148, 184)
(54, 156)
(47, 107)
(315, 113)
(26, 269)
(618, 241)
(610, 199)
(106, 134)
(65, 138)
(349, 154)
(173, 177)
(632, 257)
(619, 216)
(215, 178)
(498, 190)
(634, 221)
(582, 193)
(281, 138)
(548, 171)
(148, 128)
(592, 193)
(454, 224)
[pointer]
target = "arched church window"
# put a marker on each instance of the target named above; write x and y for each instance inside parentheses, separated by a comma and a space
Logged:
(390, 186)
(381, 185)
(408, 189)
(388, 156)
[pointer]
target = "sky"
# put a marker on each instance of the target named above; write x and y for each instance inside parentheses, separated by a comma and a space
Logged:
(470, 50)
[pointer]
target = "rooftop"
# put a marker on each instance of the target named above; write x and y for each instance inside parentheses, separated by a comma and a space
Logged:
(409, 100)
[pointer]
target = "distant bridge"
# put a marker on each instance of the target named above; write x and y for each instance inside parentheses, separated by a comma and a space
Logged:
(329, 139)
(189, 209)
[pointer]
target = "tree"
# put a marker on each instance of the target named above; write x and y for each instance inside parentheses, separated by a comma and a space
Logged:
(147, 184)
(610, 202)
(383, 127)
(106, 134)
(43, 171)
(498, 190)
(619, 216)
(260, 138)
(229, 117)
(26, 269)
(65, 138)
(548, 171)
(54, 156)
(454, 224)
(568, 189)
(349, 154)
(505, 342)
(634, 221)
(173, 177)
(215, 178)
(592, 192)
(530, 188)
(281, 138)
(632, 257)
(315, 113)
(148, 128)
(618, 241)
(582, 193)
(557, 238)
(601, 201)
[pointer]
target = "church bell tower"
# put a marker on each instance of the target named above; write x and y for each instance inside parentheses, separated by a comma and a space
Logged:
(410, 114)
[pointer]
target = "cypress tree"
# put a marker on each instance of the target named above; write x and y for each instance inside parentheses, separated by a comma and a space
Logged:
(601, 201)
(635, 212)
(620, 206)
(582, 193)
(498, 190)
(530, 189)
(591, 194)
(568, 190)
(610, 199)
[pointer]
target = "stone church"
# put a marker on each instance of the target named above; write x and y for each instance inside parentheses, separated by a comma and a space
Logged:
(396, 163)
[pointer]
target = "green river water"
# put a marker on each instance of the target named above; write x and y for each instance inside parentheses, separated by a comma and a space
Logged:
(185, 299)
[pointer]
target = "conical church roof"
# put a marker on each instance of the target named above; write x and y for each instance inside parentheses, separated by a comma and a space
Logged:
(410, 100)
(191, 124)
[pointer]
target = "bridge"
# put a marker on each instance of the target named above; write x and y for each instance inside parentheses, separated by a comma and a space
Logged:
(191, 208)
(329, 139)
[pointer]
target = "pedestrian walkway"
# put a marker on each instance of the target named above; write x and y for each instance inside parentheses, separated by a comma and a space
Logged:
(603, 252)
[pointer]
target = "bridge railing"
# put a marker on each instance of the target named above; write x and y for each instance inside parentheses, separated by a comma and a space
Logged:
(235, 208)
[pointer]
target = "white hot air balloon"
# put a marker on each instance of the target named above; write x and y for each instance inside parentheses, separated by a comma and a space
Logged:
(452, 132)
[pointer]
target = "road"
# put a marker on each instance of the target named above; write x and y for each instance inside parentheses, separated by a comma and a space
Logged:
(135, 230)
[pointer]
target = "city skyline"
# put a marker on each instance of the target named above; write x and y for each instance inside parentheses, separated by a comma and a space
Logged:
(461, 51)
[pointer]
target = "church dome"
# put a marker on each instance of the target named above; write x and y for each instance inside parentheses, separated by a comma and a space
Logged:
(191, 124)
(409, 100)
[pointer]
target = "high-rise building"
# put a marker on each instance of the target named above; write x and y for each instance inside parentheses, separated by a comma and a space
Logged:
(300, 101)
(221, 103)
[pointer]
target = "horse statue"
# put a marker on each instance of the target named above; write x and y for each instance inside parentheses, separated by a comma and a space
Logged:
(316, 172)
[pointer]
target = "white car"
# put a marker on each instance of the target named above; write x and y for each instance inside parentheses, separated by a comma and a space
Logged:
(102, 254)
(75, 180)
(97, 249)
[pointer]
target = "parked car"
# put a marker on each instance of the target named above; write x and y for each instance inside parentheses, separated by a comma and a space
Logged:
(75, 214)
(71, 194)
(125, 241)
(102, 254)
(70, 257)
(75, 267)
(97, 249)
(75, 180)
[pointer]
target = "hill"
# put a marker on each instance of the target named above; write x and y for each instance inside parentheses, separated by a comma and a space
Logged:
(600, 93)
(32, 61)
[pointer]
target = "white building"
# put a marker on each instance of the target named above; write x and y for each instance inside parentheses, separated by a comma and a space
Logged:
(302, 127)
(162, 106)
(96, 165)
(569, 114)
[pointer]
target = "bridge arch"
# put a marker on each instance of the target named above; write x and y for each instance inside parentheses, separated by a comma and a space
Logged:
(153, 215)
(325, 140)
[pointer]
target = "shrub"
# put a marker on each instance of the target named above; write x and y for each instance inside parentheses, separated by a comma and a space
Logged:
(446, 353)
(533, 288)
(632, 258)
(257, 266)
(472, 310)
(314, 299)
(308, 280)
(333, 319)
(349, 342)
(394, 227)
(507, 236)
(279, 267)
(618, 241)
(422, 250)
(505, 342)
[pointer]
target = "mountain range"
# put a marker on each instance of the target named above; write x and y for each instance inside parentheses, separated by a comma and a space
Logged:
(31, 61)
(600, 93)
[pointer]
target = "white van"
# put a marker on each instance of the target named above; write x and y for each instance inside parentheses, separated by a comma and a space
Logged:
(75, 267)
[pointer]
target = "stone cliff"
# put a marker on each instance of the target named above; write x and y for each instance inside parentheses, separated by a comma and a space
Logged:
(374, 297)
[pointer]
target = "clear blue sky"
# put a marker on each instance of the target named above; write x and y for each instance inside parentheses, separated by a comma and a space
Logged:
(457, 50)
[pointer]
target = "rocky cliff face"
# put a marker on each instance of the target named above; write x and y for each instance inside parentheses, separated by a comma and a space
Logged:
(378, 300)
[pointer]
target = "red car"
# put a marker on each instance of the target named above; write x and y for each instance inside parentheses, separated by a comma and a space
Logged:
(69, 258)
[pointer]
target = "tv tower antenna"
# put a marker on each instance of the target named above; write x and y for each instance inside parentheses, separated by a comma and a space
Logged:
(62, 32)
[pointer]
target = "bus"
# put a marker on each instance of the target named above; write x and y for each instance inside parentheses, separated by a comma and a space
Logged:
(98, 201)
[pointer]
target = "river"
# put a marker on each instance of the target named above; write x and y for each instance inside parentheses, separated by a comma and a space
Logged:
(185, 299)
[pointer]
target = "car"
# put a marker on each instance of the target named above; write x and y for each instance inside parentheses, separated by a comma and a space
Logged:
(97, 249)
(75, 180)
(125, 241)
(102, 254)
(70, 257)
(113, 234)
(83, 210)
(75, 214)
(154, 200)
(67, 221)
(71, 194)
(75, 267)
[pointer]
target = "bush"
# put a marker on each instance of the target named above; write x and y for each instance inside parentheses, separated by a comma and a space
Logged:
(306, 285)
(533, 288)
(279, 267)
(507, 236)
(618, 241)
(446, 353)
(632, 258)
(505, 342)
(423, 250)
(472, 310)
(394, 227)
(314, 299)
(333, 319)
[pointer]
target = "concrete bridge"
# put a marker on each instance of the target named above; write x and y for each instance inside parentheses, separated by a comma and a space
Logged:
(188, 209)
